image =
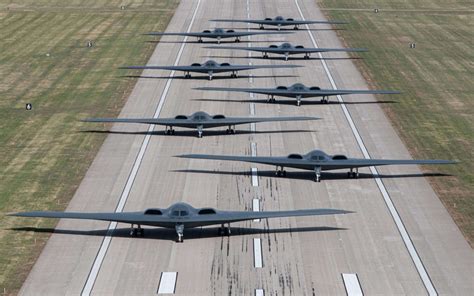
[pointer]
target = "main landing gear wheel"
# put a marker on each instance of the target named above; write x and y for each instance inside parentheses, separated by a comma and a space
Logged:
(137, 232)
(224, 231)
(353, 174)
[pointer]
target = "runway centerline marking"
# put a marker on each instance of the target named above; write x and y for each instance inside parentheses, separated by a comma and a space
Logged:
(167, 282)
(352, 285)
(388, 201)
(256, 207)
(257, 253)
(131, 178)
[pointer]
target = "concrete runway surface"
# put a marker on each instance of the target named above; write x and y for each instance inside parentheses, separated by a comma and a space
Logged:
(300, 256)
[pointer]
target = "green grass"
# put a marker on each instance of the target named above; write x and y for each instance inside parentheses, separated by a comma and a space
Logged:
(435, 114)
(44, 60)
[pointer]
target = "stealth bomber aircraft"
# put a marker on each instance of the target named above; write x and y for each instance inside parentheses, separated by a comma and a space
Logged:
(217, 34)
(278, 21)
(317, 161)
(210, 67)
(200, 121)
(298, 91)
(288, 49)
(180, 216)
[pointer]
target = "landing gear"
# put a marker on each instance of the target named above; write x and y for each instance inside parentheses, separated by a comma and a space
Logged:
(325, 100)
(306, 56)
(230, 130)
(200, 40)
(199, 129)
(210, 75)
(187, 75)
(179, 231)
(218, 40)
(265, 55)
(286, 56)
(237, 39)
(298, 101)
(221, 231)
(353, 174)
(137, 232)
(280, 172)
(169, 130)
(233, 75)
(295, 28)
(271, 99)
(317, 172)
(261, 27)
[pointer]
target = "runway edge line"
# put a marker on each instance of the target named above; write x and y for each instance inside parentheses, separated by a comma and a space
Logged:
(88, 286)
(393, 211)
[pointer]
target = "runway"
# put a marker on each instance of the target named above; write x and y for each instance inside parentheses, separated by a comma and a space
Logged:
(135, 170)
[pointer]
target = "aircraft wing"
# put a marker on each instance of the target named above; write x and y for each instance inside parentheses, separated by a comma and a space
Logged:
(251, 67)
(306, 50)
(130, 217)
(266, 91)
(261, 49)
(158, 121)
(244, 120)
(171, 68)
(301, 22)
(234, 216)
(275, 161)
(191, 34)
(377, 162)
(335, 92)
(239, 34)
(239, 21)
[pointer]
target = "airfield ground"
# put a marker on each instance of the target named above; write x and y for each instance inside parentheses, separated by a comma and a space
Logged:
(300, 256)
(435, 114)
(45, 61)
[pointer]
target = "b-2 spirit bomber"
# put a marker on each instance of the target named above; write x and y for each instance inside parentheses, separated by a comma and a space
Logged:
(278, 21)
(317, 161)
(200, 121)
(217, 34)
(210, 67)
(298, 91)
(180, 216)
(288, 49)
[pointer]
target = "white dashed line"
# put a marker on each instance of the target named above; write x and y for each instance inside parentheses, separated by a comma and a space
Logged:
(352, 285)
(167, 283)
(256, 207)
(257, 253)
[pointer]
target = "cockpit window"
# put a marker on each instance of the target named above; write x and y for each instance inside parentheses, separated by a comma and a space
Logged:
(317, 157)
(179, 213)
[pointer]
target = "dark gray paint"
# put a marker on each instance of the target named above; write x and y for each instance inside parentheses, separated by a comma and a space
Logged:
(298, 91)
(317, 161)
(200, 121)
(180, 216)
(210, 67)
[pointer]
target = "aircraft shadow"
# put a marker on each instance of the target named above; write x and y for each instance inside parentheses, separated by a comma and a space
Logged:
(188, 133)
(230, 41)
(293, 102)
(289, 29)
(170, 234)
(276, 58)
(203, 77)
(302, 175)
